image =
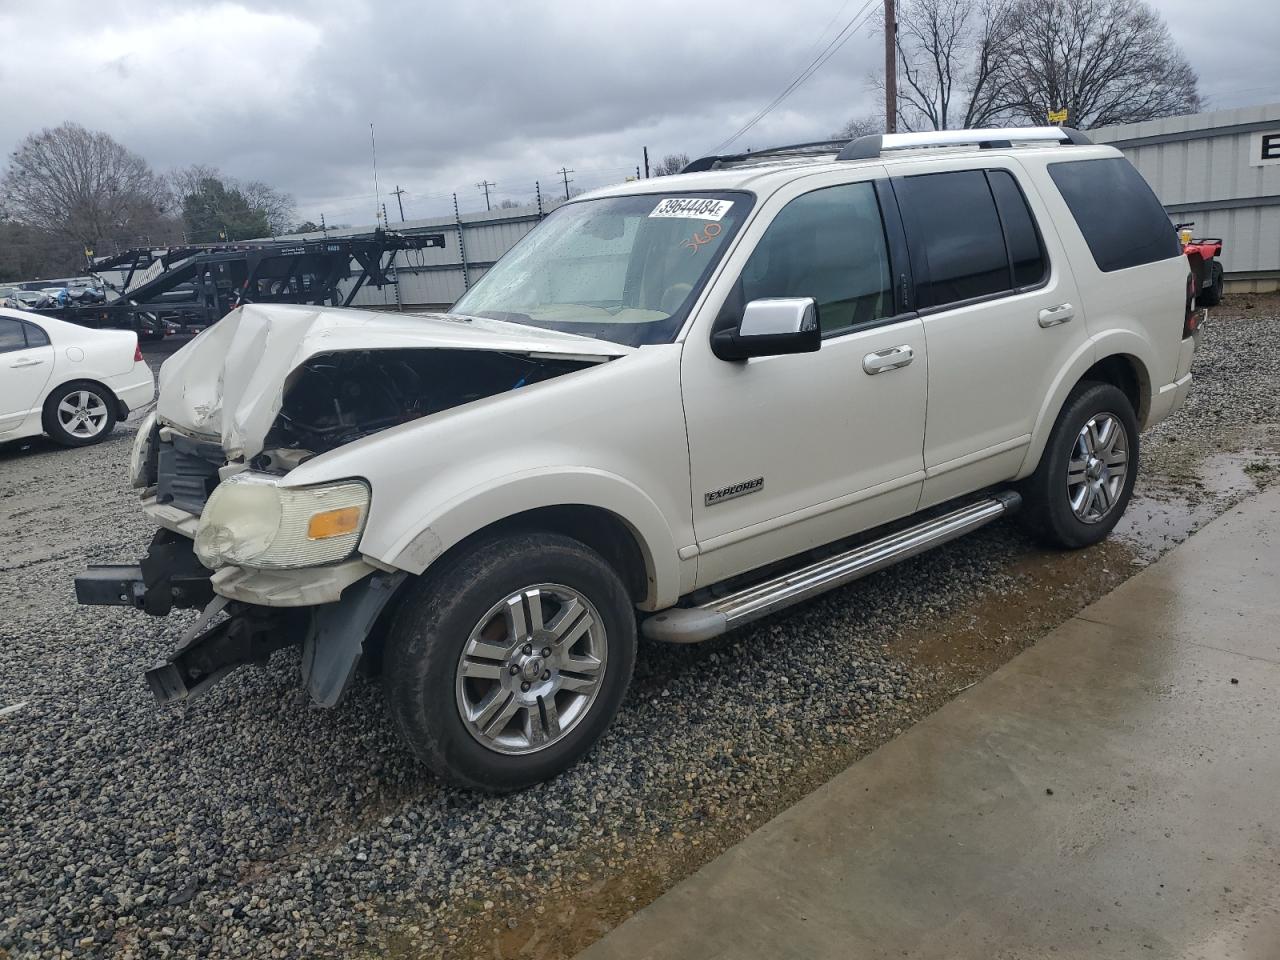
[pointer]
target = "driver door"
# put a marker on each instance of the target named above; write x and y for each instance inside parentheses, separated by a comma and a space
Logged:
(790, 452)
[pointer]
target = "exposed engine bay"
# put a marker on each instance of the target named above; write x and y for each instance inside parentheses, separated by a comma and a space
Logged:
(335, 398)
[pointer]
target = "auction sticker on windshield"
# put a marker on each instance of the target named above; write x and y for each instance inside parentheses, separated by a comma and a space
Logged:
(695, 208)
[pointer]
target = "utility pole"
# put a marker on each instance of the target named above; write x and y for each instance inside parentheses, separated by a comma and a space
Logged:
(398, 193)
(565, 173)
(890, 68)
(485, 185)
(646, 163)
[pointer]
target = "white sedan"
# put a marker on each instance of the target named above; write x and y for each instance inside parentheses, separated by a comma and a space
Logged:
(68, 381)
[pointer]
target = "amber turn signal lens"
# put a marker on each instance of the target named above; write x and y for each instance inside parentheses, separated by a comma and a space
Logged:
(334, 523)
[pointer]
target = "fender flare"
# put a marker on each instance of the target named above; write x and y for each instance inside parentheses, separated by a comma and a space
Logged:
(429, 535)
(1120, 342)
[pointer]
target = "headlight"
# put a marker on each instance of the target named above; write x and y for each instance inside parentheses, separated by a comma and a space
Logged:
(142, 458)
(252, 521)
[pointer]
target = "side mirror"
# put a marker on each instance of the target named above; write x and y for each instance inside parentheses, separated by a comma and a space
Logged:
(769, 328)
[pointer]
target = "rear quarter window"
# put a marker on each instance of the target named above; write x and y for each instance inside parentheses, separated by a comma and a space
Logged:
(1119, 216)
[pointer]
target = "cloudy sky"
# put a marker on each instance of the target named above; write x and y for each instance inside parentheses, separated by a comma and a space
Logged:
(468, 91)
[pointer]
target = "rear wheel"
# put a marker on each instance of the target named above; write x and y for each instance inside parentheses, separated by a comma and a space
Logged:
(504, 668)
(1211, 294)
(79, 413)
(1086, 474)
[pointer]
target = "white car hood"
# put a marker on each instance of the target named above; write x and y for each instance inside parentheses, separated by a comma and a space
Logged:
(229, 381)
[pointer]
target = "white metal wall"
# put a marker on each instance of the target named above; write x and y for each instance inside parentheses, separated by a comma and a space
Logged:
(1220, 169)
(436, 277)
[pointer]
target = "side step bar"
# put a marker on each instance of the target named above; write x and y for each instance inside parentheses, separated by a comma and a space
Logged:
(711, 619)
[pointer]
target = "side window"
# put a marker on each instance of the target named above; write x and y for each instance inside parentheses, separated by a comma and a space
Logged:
(1026, 252)
(1119, 216)
(952, 220)
(36, 337)
(829, 245)
(11, 336)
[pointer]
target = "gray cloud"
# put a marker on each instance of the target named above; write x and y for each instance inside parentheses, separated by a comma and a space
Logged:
(508, 92)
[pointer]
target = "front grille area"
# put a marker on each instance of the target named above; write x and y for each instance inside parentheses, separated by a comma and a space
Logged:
(188, 472)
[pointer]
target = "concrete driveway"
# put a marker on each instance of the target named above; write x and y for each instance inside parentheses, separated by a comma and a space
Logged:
(1112, 792)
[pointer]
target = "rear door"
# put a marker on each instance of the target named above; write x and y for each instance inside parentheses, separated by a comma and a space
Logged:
(26, 363)
(1001, 312)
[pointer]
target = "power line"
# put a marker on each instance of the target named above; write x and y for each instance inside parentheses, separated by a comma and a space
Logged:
(814, 66)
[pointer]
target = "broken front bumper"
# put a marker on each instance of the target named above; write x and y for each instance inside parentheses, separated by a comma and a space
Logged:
(330, 612)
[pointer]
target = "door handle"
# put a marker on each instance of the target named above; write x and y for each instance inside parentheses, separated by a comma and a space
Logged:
(26, 363)
(1052, 316)
(891, 359)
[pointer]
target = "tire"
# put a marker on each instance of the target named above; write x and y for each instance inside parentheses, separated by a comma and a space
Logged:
(1059, 508)
(456, 639)
(1211, 295)
(80, 413)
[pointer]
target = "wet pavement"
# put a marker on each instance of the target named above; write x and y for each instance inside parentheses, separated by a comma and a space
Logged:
(1110, 792)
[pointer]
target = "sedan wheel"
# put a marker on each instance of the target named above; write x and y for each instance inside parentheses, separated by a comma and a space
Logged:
(83, 414)
(79, 413)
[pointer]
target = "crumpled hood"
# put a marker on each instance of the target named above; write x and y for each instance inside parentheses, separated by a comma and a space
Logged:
(229, 381)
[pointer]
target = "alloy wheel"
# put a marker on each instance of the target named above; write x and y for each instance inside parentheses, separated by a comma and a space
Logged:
(1098, 467)
(531, 669)
(82, 414)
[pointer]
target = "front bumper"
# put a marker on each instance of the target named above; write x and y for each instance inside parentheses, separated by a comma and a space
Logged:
(329, 611)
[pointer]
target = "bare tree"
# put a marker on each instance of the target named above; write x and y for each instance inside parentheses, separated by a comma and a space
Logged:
(275, 205)
(672, 163)
(859, 127)
(948, 54)
(80, 186)
(1103, 61)
(186, 181)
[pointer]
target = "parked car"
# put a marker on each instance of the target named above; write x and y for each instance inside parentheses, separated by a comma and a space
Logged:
(68, 381)
(691, 401)
(31, 300)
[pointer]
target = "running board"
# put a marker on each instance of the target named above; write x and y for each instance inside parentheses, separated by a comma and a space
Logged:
(695, 624)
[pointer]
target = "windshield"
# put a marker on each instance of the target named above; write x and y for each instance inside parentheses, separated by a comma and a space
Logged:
(625, 269)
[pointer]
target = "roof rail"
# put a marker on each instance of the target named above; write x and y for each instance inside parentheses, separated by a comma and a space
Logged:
(874, 146)
(812, 148)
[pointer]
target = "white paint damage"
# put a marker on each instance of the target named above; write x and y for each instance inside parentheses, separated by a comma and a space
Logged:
(229, 382)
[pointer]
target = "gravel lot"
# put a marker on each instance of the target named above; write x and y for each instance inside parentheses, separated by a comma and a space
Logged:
(251, 824)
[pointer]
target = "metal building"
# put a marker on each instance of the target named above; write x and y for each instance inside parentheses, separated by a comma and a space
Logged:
(1221, 170)
(435, 279)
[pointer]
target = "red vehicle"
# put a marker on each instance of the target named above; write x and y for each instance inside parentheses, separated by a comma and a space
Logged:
(1202, 253)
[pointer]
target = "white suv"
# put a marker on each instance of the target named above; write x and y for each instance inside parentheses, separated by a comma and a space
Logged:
(683, 403)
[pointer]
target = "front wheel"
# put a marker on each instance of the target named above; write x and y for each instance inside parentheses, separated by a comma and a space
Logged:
(1086, 473)
(504, 667)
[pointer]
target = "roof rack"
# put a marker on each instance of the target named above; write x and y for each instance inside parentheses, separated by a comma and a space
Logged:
(875, 146)
(814, 148)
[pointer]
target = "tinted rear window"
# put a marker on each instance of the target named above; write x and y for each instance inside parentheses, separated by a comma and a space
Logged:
(952, 216)
(1026, 254)
(1121, 219)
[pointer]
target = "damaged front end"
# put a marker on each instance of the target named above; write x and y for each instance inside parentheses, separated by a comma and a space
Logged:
(272, 565)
